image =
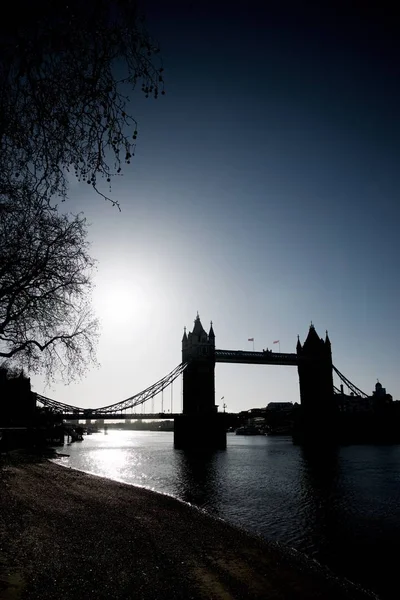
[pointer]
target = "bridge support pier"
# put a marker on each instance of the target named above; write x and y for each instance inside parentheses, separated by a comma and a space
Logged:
(200, 432)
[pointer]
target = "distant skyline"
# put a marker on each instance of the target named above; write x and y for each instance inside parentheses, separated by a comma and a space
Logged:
(263, 194)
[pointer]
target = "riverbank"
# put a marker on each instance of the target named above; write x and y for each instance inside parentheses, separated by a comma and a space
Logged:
(67, 535)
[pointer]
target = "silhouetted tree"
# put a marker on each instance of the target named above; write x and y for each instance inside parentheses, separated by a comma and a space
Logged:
(46, 322)
(65, 70)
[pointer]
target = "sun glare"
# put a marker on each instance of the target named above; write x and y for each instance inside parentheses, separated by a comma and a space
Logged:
(117, 301)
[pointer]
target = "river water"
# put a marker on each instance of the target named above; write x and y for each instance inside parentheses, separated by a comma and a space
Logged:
(340, 507)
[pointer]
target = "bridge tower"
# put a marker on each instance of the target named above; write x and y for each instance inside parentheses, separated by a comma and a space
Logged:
(200, 425)
(318, 410)
(198, 349)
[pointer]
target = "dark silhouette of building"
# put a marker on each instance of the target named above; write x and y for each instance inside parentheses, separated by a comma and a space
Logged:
(371, 419)
(279, 418)
(315, 372)
(22, 423)
(198, 349)
(380, 398)
(17, 402)
(317, 414)
(200, 425)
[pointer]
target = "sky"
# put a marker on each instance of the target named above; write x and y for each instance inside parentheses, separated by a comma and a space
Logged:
(263, 194)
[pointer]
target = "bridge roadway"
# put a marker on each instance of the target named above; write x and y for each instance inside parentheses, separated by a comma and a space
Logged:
(256, 358)
(94, 416)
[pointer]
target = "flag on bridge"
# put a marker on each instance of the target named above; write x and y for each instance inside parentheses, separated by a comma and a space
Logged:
(276, 342)
(250, 340)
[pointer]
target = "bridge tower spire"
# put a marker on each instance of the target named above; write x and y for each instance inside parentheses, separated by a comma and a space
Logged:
(211, 334)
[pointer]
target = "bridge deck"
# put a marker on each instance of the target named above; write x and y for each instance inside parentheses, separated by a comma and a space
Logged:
(95, 415)
(256, 358)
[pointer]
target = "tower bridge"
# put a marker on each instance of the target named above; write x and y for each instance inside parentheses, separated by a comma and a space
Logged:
(200, 424)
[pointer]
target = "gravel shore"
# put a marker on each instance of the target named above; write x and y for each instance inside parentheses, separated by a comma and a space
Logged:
(67, 535)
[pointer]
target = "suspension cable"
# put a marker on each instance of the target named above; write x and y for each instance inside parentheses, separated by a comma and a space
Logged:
(349, 384)
(117, 407)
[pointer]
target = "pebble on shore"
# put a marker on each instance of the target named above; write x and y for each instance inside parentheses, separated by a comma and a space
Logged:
(67, 535)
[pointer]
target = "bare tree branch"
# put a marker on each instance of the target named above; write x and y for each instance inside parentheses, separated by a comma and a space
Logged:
(65, 71)
(46, 322)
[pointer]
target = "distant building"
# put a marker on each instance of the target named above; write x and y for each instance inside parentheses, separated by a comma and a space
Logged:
(351, 403)
(280, 406)
(354, 404)
(380, 393)
(279, 417)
